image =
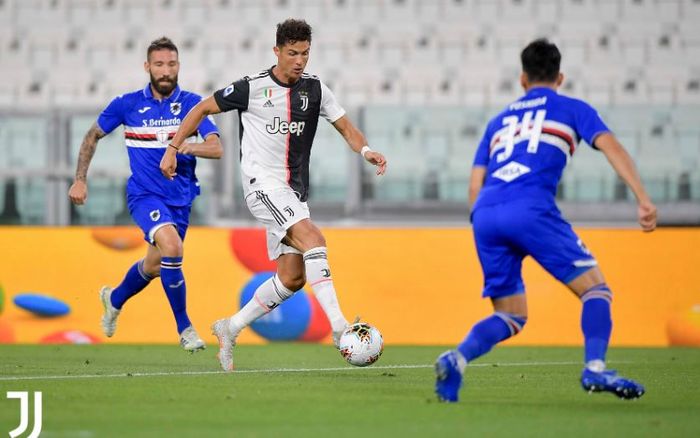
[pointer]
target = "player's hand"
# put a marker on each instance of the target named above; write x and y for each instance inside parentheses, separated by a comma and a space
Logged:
(78, 193)
(646, 211)
(168, 163)
(187, 149)
(378, 160)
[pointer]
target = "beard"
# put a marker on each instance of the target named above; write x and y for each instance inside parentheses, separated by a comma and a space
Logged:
(164, 85)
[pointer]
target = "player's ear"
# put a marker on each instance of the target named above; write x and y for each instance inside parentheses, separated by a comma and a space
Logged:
(146, 66)
(523, 80)
(277, 51)
(560, 79)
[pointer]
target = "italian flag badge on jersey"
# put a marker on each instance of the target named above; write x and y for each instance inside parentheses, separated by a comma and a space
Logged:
(268, 93)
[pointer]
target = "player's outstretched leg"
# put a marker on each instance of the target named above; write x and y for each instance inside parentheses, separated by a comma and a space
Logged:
(318, 275)
(596, 324)
(450, 366)
(176, 290)
(113, 299)
(267, 296)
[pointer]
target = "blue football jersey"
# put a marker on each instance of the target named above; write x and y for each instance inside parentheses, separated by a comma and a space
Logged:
(149, 125)
(526, 147)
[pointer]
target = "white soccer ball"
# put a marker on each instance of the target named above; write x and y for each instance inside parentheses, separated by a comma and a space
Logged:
(361, 344)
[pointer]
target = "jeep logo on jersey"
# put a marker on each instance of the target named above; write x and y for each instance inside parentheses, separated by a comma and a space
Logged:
(162, 136)
(284, 127)
(175, 108)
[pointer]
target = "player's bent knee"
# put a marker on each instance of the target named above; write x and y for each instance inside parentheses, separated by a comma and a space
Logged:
(600, 291)
(171, 248)
(306, 235)
(152, 271)
(515, 323)
(293, 283)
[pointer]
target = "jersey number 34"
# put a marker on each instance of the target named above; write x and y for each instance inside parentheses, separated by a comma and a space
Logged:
(520, 130)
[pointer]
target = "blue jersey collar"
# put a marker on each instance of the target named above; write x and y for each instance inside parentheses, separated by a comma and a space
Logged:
(540, 91)
(148, 93)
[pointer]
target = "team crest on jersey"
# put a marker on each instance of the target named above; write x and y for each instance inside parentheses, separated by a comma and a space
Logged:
(175, 108)
(155, 215)
(162, 136)
(304, 100)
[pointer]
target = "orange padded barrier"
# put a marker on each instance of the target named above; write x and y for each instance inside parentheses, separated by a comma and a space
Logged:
(417, 285)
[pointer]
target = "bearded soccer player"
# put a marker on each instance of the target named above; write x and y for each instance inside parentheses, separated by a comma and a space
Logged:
(279, 110)
(513, 184)
(161, 208)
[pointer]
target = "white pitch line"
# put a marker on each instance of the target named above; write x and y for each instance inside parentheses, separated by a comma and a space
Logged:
(274, 370)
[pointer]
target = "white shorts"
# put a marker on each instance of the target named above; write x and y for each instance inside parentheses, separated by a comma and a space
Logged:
(278, 210)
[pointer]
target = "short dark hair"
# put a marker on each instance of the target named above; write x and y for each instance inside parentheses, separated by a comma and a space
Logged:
(162, 43)
(541, 61)
(292, 30)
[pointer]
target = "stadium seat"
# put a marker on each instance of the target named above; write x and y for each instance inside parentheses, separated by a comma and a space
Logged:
(688, 92)
(429, 12)
(453, 42)
(642, 10)
(630, 91)
(690, 11)
(575, 10)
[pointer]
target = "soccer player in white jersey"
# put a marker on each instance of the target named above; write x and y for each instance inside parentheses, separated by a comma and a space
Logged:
(279, 110)
(159, 207)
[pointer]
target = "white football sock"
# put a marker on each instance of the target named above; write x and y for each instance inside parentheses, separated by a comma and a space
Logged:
(597, 366)
(318, 276)
(267, 296)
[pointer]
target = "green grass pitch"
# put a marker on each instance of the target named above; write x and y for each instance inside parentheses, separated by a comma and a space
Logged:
(307, 390)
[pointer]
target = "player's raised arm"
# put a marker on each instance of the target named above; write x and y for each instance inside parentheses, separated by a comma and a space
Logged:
(358, 143)
(624, 166)
(188, 126)
(78, 191)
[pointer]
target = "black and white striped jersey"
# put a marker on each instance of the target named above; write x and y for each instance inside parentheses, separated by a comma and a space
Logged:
(278, 124)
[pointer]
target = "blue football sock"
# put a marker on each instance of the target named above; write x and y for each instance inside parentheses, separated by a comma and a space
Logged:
(596, 322)
(489, 332)
(176, 290)
(134, 282)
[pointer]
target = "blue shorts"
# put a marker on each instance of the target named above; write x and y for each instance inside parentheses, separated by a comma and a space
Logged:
(506, 233)
(151, 214)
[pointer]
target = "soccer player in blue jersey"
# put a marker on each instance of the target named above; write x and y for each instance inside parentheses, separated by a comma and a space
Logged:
(161, 208)
(514, 178)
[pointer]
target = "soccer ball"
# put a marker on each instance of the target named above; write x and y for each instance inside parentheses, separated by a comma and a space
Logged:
(361, 344)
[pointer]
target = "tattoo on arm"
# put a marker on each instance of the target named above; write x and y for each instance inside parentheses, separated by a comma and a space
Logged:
(87, 150)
